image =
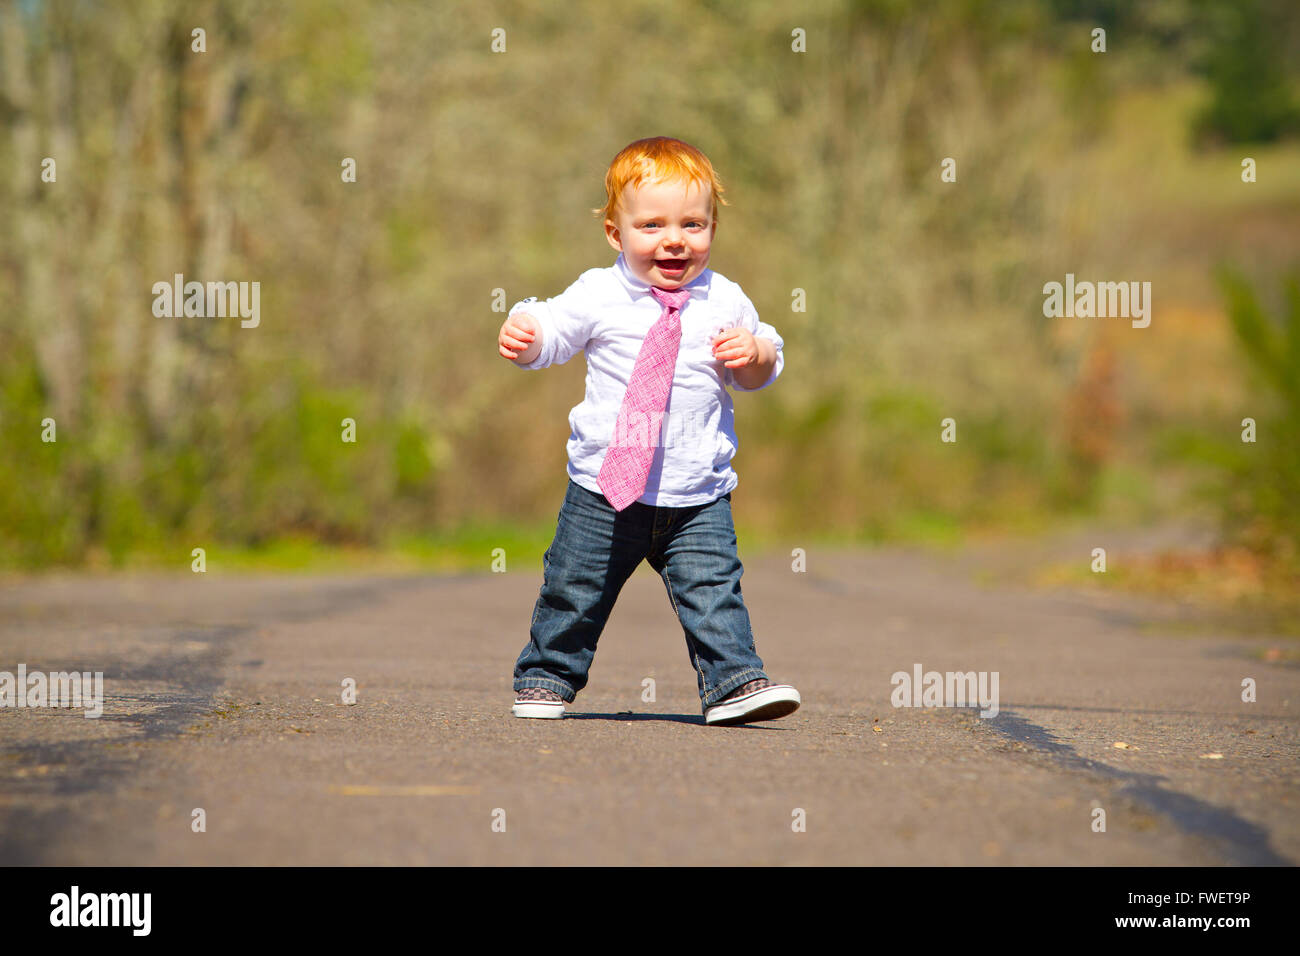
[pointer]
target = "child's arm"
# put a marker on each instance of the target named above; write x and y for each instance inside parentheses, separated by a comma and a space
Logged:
(767, 358)
(537, 334)
(751, 378)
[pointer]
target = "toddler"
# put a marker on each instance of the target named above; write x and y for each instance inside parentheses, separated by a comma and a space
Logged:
(651, 444)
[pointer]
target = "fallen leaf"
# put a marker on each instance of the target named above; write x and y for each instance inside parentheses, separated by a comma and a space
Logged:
(1211, 756)
(879, 730)
(1120, 745)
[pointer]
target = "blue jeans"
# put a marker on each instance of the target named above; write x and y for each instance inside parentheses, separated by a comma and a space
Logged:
(595, 551)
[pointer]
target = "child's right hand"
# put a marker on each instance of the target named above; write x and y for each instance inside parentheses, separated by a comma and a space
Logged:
(518, 337)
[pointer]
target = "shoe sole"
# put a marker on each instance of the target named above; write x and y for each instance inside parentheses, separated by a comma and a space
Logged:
(537, 708)
(766, 704)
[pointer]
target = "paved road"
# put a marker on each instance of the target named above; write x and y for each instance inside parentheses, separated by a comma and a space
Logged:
(224, 693)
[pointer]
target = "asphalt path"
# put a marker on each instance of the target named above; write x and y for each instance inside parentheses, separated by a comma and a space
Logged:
(225, 694)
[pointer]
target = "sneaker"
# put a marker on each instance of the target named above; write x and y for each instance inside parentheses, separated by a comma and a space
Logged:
(758, 700)
(538, 702)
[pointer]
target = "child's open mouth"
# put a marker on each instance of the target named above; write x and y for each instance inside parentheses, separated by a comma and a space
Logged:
(672, 265)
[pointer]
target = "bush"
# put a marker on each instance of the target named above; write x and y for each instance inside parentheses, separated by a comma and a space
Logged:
(1261, 507)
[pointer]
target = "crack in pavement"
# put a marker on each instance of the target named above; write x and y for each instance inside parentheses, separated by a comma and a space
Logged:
(1235, 839)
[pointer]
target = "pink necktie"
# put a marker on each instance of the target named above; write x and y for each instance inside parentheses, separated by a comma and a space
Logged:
(626, 467)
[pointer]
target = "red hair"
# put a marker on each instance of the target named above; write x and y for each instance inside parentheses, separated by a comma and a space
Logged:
(659, 158)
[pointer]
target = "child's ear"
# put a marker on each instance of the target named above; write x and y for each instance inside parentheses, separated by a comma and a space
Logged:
(612, 234)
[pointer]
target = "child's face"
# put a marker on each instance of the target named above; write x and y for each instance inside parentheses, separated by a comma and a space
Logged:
(664, 231)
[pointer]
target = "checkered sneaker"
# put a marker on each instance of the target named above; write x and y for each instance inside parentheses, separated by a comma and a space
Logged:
(539, 694)
(750, 688)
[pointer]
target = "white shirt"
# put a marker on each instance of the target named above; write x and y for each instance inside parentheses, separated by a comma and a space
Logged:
(607, 313)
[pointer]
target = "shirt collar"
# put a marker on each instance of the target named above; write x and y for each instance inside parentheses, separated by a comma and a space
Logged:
(698, 287)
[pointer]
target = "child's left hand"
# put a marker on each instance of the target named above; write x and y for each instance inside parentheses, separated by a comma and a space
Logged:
(736, 347)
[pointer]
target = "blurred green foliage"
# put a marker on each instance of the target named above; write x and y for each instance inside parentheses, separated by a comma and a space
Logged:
(477, 171)
(279, 469)
(1261, 500)
(1252, 94)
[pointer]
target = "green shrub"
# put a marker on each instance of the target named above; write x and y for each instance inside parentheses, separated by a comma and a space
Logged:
(1261, 506)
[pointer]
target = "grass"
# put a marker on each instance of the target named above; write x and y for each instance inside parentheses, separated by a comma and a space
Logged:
(467, 549)
(1232, 586)
(471, 548)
